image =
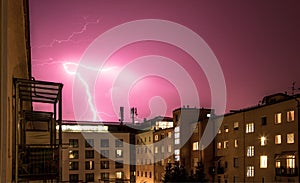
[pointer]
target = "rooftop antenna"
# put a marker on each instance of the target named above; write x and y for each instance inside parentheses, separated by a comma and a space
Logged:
(133, 113)
(121, 115)
(293, 88)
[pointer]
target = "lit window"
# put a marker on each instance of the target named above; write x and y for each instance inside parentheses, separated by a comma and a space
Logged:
(290, 138)
(119, 175)
(226, 129)
(250, 171)
(195, 146)
(169, 134)
(219, 145)
(176, 129)
(119, 153)
(162, 149)
(219, 131)
(156, 137)
(177, 141)
(169, 148)
(236, 143)
(249, 127)
(225, 144)
(156, 149)
(89, 165)
(73, 154)
(278, 118)
(277, 139)
(176, 135)
(290, 161)
(277, 164)
(290, 116)
(196, 162)
(263, 141)
(263, 161)
(177, 152)
(236, 125)
(250, 151)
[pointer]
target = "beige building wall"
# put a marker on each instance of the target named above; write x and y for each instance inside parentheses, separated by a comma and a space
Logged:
(14, 63)
(144, 157)
(82, 159)
(263, 137)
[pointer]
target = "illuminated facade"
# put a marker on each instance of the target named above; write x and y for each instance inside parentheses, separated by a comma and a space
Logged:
(97, 153)
(260, 144)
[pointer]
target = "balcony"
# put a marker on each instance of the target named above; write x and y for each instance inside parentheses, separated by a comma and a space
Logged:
(216, 170)
(286, 172)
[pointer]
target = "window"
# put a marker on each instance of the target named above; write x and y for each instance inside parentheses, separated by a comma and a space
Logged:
(219, 131)
(226, 144)
(176, 135)
(219, 145)
(249, 127)
(263, 120)
(73, 177)
(263, 141)
(196, 160)
(277, 139)
(290, 138)
(104, 154)
(177, 141)
(277, 164)
(169, 136)
(146, 174)
(278, 118)
(89, 177)
(89, 165)
(89, 153)
(236, 125)
(150, 174)
(104, 164)
(235, 162)
(236, 143)
(104, 176)
(169, 148)
(119, 142)
(73, 165)
(290, 116)
(226, 128)
(104, 143)
(162, 136)
(250, 151)
(235, 179)
(156, 149)
(73, 143)
(119, 153)
(119, 175)
(290, 161)
(263, 161)
(119, 164)
(89, 143)
(250, 171)
(195, 146)
(156, 137)
(73, 154)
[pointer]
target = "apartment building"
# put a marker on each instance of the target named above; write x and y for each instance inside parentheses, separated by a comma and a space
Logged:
(97, 153)
(260, 144)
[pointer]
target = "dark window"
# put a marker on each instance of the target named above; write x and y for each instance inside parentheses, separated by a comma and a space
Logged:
(89, 165)
(104, 143)
(235, 162)
(89, 153)
(104, 176)
(146, 174)
(150, 174)
(73, 143)
(226, 164)
(119, 164)
(104, 164)
(264, 120)
(73, 178)
(104, 153)
(119, 142)
(162, 135)
(73, 165)
(89, 143)
(89, 177)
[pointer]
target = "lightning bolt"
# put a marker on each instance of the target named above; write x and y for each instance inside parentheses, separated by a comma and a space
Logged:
(70, 37)
(71, 69)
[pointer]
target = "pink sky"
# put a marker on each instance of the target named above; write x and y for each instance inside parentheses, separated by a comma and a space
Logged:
(256, 43)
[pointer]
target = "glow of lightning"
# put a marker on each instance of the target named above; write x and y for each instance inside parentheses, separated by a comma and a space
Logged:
(67, 65)
(69, 38)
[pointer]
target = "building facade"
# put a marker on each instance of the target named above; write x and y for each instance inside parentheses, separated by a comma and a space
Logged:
(96, 153)
(260, 144)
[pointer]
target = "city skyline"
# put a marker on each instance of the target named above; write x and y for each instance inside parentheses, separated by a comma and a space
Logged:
(256, 44)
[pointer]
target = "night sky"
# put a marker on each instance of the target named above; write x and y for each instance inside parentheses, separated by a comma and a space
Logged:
(257, 44)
